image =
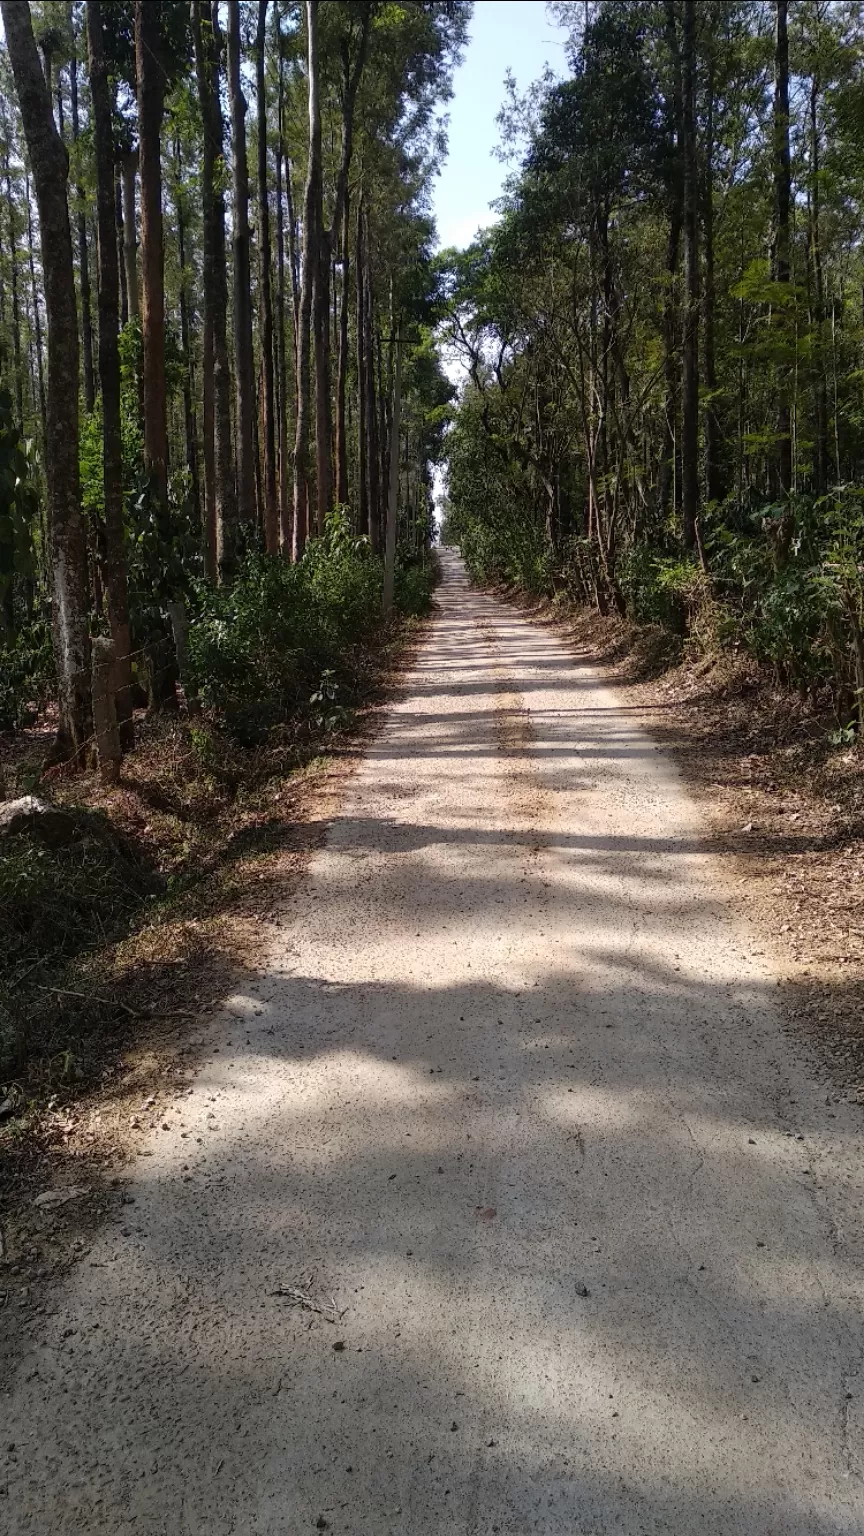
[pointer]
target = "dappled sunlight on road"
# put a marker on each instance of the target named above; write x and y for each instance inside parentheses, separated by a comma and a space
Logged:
(499, 1201)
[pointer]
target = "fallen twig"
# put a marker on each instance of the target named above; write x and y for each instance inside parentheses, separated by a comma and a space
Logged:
(296, 1296)
(93, 997)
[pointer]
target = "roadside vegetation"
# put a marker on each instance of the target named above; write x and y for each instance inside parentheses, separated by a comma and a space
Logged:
(664, 338)
(215, 482)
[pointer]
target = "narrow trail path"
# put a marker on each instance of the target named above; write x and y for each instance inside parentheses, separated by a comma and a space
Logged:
(513, 1104)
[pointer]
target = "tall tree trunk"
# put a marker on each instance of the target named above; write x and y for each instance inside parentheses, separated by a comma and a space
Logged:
(342, 367)
(281, 363)
(312, 205)
(129, 172)
(820, 405)
(189, 423)
(271, 501)
(37, 317)
(13, 284)
(151, 94)
(393, 488)
(118, 236)
(328, 242)
(321, 353)
(782, 205)
(83, 261)
(114, 555)
(50, 164)
(714, 470)
(243, 354)
(690, 390)
(373, 468)
(218, 442)
(292, 250)
(668, 487)
(362, 364)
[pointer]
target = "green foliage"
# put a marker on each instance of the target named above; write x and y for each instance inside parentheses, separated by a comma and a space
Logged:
(26, 674)
(18, 503)
(285, 639)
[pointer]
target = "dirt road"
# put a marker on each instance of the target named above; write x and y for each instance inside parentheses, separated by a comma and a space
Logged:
(513, 1108)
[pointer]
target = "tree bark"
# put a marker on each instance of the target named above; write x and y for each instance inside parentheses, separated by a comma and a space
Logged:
(281, 363)
(669, 491)
(118, 236)
(393, 497)
(782, 205)
(220, 536)
(37, 318)
(151, 100)
(312, 205)
(243, 354)
(189, 423)
(362, 364)
(373, 473)
(50, 164)
(114, 554)
(342, 367)
(690, 389)
(13, 284)
(820, 405)
(271, 501)
(83, 261)
(129, 172)
(714, 470)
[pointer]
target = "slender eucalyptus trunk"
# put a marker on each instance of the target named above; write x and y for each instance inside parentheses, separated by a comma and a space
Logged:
(690, 388)
(393, 497)
(342, 366)
(281, 362)
(50, 164)
(360, 341)
(669, 490)
(820, 403)
(373, 480)
(221, 513)
(312, 204)
(321, 354)
(243, 355)
(190, 426)
(271, 500)
(118, 236)
(129, 173)
(13, 286)
(37, 318)
(714, 468)
(151, 100)
(114, 552)
(782, 206)
(83, 259)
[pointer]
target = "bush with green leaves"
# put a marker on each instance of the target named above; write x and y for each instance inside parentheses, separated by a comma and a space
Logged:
(260, 648)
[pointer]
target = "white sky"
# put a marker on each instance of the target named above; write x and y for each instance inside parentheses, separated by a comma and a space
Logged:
(505, 34)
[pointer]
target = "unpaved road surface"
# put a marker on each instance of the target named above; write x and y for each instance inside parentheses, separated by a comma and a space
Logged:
(513, 1107)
